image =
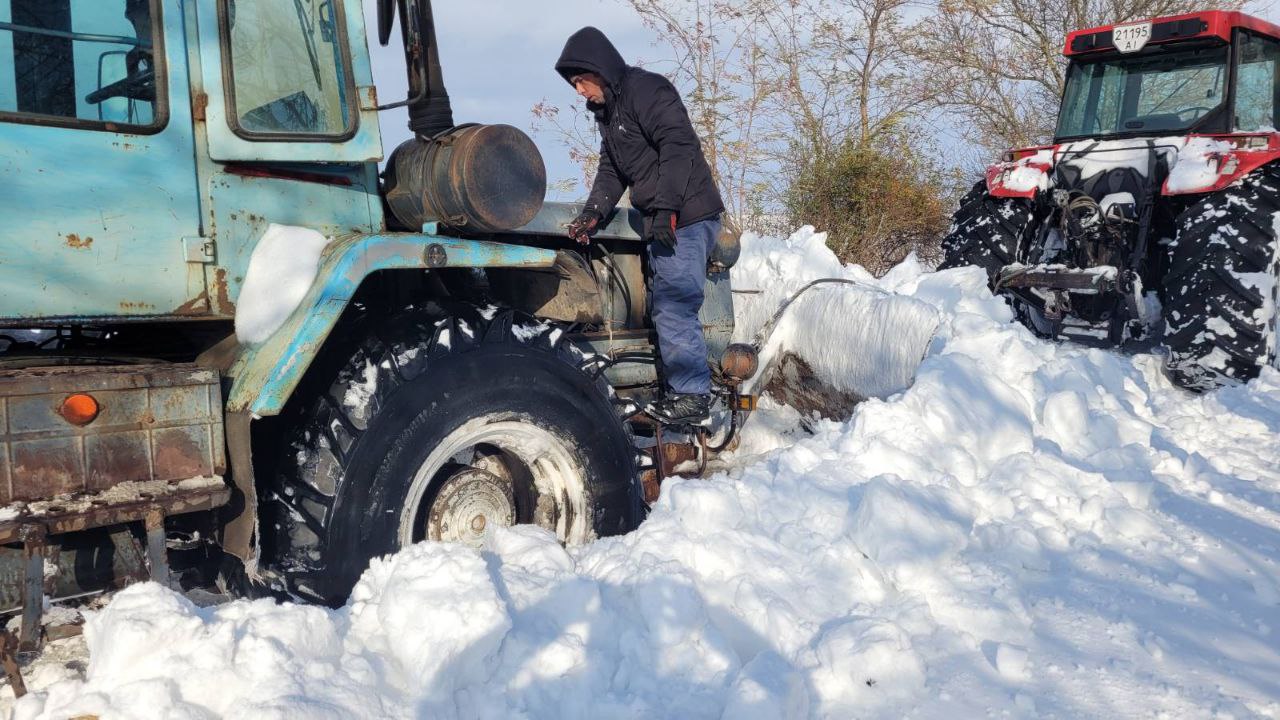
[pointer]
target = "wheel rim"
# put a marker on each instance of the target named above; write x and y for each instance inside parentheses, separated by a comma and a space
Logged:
(467, 503)
(496, 472)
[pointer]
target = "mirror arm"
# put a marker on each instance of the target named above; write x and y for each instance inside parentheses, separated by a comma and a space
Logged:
(412, 35)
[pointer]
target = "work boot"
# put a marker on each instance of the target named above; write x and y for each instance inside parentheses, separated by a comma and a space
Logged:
(681, 409)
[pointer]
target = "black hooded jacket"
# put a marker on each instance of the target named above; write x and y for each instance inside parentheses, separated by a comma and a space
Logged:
(647, 143)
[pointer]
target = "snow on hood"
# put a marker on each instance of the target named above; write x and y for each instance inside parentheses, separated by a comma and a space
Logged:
(1029, 530)
(1192, 162)
(1092, 157)
(1197, 165)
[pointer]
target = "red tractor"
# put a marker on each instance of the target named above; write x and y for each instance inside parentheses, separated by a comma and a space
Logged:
(1157, 207)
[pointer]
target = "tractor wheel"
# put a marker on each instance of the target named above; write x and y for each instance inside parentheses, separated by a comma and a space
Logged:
(1220, 289)
(985, 231)
(440, 428)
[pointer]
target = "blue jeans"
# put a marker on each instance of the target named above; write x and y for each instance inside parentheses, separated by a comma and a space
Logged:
(678, 279)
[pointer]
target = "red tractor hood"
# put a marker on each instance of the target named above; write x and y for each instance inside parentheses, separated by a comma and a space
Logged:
(1197, 163)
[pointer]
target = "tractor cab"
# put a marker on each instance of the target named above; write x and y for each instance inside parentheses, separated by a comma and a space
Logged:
(1206, 73)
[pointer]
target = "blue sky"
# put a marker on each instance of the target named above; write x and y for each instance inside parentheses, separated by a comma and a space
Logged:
(498, 58)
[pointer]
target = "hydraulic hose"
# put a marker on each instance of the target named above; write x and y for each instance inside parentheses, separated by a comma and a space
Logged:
(766, 330)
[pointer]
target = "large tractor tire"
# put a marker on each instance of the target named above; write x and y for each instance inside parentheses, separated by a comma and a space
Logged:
(985, 231)
(1220, 291)
(439, 428)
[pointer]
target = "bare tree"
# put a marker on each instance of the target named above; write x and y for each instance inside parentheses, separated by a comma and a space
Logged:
(577, 134)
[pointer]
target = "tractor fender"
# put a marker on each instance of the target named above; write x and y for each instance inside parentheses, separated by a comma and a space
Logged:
(264, 375)
(1209, 163)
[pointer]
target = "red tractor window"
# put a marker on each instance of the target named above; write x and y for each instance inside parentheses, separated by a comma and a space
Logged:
(1171, 91)
(1257, 86)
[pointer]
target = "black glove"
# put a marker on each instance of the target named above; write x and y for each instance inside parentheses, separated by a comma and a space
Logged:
(581, 227)
(662, 228)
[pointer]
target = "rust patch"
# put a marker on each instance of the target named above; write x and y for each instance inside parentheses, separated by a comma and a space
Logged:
(79, 243)
(225, 306)
(198, 305)
(43, 469)
(115, 458)
(652, 485)
(81, 512)
(179, 454)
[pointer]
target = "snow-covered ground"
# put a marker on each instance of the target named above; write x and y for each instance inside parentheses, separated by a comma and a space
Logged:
(1030, 530)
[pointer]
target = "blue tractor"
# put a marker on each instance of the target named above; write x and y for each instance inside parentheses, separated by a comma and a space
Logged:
(450, 362)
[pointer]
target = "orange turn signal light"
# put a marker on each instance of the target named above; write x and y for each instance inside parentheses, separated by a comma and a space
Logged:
(79, 409)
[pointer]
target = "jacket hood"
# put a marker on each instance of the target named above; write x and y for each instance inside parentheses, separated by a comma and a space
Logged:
(589, 49)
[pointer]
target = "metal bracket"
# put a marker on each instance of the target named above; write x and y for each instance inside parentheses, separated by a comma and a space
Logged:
(198, 249)
(33, 542)
(157, 558)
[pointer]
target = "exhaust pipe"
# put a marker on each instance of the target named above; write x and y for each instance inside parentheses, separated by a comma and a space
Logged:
(430, 113)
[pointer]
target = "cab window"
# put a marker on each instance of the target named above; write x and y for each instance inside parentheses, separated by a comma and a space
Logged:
(1257, 83)
(80, 62)
(290, 73)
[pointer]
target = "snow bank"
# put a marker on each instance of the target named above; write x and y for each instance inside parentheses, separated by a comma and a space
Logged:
(860, 338)
(281, 270)
(1031, 530)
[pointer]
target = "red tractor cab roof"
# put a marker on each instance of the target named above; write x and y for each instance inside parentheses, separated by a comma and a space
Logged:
(1208, 24)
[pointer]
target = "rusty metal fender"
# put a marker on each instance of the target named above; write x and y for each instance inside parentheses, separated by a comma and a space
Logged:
(266, 374)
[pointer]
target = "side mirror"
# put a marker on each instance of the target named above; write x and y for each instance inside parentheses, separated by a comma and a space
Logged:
(416, 47)
(386, 17)
(126, 87)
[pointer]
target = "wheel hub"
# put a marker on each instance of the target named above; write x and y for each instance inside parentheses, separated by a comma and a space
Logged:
(468, 504)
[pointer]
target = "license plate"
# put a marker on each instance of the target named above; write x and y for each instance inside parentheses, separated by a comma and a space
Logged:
(1132, 37)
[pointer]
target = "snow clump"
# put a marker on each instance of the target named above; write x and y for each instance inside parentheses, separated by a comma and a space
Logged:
(281, 270)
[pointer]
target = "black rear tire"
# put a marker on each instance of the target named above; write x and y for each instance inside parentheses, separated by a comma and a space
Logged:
(1220, 291)
(345, 491)
(985, 231)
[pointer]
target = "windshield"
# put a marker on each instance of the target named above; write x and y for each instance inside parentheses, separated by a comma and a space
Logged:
(1170, 91)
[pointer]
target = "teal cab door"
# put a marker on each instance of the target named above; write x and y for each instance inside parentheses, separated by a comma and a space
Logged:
(290, 125)
(99, 210)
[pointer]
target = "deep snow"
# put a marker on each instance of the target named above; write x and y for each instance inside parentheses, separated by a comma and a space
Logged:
(1031, 530)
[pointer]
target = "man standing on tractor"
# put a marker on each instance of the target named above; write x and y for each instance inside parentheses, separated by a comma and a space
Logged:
(648, 144)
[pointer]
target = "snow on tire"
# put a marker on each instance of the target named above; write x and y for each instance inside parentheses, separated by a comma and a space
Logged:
(985, 231)
(1220, 290)
(437, 428)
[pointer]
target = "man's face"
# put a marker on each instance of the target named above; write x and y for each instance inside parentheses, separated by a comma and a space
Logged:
(590, 86)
